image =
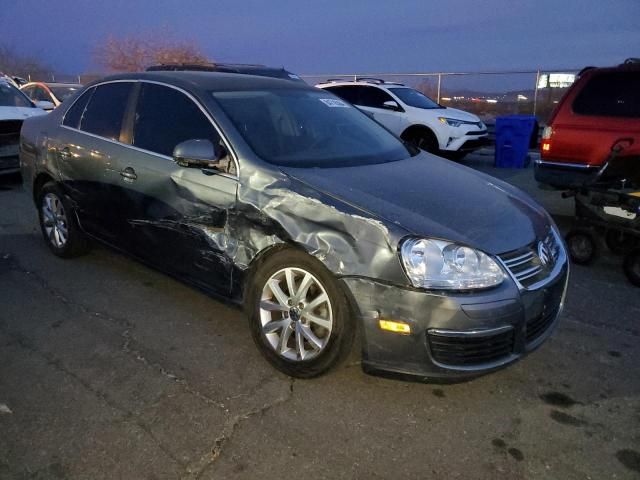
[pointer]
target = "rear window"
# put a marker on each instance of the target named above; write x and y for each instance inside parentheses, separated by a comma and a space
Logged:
(105, 111)
(349, 93)
(74, 114)
(614, 94)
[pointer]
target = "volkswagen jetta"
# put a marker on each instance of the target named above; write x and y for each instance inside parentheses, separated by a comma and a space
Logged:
(320, 222)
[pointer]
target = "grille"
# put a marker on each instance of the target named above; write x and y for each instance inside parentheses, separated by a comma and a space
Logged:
(477, 132)
(526, 264)
(470, 350)
(539, 325)
(10, 132)
(9, 163)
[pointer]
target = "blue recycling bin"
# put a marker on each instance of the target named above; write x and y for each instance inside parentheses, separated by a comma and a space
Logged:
(513, 139)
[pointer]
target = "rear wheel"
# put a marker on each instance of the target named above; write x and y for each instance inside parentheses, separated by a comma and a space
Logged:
(58, 223)
(620, 242)
(632, 267)
(300, 319)
(582, 246)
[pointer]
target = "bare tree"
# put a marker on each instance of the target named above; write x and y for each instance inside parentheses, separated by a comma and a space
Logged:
(135, 53)
(14, 64)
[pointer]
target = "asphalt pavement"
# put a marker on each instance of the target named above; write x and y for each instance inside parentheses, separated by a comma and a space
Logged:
(111, 370)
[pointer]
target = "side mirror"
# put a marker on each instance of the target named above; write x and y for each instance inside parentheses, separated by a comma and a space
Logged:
(391, 105)
(200, 153)
(45, 105)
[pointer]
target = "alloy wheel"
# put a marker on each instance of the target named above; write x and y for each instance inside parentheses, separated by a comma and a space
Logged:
(296, 314)
(54, 220)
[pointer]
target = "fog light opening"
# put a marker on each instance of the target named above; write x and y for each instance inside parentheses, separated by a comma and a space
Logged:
(395, 327)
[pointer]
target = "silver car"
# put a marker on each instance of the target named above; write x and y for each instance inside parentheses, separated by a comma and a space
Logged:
(297, 206)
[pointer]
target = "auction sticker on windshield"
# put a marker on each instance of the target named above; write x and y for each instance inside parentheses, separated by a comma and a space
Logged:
(334, 102)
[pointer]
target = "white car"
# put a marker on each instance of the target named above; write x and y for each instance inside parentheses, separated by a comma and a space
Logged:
(15, 106)
(413, 116)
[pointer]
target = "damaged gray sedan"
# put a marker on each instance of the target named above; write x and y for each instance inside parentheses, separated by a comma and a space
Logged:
(291, 202)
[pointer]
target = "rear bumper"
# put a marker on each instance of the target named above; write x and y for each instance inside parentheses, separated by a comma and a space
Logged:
(563, 175)
(455, 336)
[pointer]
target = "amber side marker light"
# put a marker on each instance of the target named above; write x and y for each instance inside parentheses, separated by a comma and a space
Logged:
(393, 326)
(546, 146)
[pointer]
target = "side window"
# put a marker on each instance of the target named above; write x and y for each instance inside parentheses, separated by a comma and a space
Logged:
(615, 94)
(104, 113)
(74, 114)
(350, 94)
(166, 117)
(373, 97)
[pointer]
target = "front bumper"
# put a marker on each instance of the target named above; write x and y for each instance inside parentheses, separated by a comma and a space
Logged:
(466, 143)
(9, 164)
(9, 140)
(455, 335)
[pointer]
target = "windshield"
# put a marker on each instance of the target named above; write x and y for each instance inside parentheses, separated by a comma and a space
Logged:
(306, 128)
(62, 93)
(10, 96)
(414, 98)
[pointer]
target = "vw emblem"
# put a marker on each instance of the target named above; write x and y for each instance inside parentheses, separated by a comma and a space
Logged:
(544, 254)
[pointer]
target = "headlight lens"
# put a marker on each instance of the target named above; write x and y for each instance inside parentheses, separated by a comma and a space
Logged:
(439, 264)
(454, 122)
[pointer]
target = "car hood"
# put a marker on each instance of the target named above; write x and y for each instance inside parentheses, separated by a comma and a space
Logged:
(19, 113)
(429, 196)
(459, 115)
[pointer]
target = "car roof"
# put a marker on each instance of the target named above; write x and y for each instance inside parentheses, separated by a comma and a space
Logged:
(62, 84)
(190, 80)
(54, 84)
(239, 68)
(368, 83)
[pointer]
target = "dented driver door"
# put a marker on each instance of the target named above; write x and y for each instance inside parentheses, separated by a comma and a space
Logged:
(178, 219)
(177, 216)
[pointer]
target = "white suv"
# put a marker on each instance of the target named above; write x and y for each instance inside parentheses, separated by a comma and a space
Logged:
(413, 116)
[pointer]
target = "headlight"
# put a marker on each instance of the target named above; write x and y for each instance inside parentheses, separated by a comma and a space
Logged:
(439, 264)
(454, 122)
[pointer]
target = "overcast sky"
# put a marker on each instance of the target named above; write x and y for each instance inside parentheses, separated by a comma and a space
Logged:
(340, 36)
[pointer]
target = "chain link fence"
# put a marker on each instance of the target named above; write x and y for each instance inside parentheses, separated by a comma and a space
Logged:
(487, 94)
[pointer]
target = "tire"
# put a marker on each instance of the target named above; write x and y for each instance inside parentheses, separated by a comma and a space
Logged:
(426, 141)
(619, 242)
(278, 325)
(58, 223)
(582, 247)
(632, 267)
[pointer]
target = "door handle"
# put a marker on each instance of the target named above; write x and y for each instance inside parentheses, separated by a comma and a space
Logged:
(128, 174)
(65, 153)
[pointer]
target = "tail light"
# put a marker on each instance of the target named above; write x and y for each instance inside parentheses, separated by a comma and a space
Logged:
(546, 139)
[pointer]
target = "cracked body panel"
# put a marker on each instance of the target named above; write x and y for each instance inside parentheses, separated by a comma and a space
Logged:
(211, 226)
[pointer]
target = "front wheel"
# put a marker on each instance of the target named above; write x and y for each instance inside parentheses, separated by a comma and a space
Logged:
(300, 319)
(582, 246)
(632, 267)
(426, 141)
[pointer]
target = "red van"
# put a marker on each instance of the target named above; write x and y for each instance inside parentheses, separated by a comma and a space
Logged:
(601, 108)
